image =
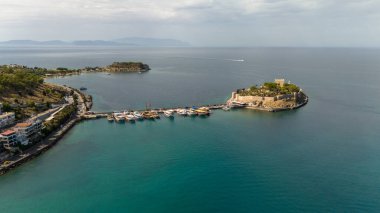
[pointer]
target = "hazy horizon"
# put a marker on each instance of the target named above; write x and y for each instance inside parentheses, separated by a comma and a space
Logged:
(252, 23)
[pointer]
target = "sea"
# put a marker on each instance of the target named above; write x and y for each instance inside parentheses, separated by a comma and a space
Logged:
(323, 157)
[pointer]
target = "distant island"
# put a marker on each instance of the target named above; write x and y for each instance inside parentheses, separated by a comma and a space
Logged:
(128, 41)
(127, 67)
(119, 67)
(270, 96)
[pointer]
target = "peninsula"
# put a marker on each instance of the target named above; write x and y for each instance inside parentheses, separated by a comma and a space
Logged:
(115, 67)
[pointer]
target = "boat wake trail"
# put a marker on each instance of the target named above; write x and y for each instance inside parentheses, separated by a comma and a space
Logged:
(219, 59)
(237, 60)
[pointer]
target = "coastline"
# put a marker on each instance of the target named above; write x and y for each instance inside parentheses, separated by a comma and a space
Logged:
(52, 139)
(85, 105)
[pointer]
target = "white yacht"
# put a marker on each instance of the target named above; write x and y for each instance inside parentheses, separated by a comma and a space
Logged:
(191, 112)
(130, 118)
(138, 115)
(226, 108)
(169, 113)
(182, 112)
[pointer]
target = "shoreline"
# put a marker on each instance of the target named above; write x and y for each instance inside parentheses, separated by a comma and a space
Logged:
(52, 139)
(85, 105)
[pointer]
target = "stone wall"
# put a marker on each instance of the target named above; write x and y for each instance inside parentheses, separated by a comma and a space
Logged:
(264, 100)
(250, 99)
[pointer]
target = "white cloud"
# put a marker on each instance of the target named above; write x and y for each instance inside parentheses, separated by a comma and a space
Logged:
(191, 19)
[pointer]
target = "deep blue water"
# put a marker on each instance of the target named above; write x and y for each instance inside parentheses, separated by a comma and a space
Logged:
(324, 157)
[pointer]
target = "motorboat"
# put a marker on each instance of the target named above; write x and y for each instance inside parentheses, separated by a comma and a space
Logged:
(155, 114)
(182, 112)
(203, 111)
(119, 118)
(110, 118)
(226, 108)
(235, 104)
(138, 115)
(191, 112)
(130, 118)
(169, 113)
(148, 115)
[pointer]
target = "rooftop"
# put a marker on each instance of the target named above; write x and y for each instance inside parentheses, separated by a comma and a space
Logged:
(8, 132)
(23, 124)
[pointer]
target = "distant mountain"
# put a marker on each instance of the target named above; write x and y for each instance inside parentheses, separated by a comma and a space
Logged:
(94, 43)
(129, 41)
(31, 42)
(152, 42)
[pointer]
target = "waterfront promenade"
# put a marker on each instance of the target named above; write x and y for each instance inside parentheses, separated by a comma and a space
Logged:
(48, 142)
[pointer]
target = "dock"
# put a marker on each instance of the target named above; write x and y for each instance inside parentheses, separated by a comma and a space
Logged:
(97, 115)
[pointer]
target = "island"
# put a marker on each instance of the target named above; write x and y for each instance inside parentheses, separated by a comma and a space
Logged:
(127, 67)
(115, 67)
(270, 96)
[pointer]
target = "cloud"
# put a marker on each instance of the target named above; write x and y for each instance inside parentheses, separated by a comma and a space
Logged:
(297, 21)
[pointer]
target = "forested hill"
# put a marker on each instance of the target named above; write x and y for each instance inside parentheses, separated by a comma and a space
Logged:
(19, 79)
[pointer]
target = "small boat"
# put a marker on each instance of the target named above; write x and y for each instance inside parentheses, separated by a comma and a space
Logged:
(138, 115)
(203, 111)
(148, 115)
(235, 104)
(83, 88)
(110, 118)
(191, 112)
(182, 112)
(226, 108)
(169, 113)
(119, 118)
(130, 118)
(155, 114)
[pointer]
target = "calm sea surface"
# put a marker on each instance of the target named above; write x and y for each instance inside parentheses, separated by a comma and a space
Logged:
(324, 157)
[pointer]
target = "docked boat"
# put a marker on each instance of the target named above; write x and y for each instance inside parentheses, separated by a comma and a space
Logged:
(148, 115)
(169, 113)
(235, 104)
(138, 115)
(203, 111)
(110, 118)
(119, 118)
(155, 114)
(182, 112)
(226, 108)
(130, 118)
(191, 112)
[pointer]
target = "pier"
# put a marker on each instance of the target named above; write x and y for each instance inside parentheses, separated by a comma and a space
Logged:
(96, 115)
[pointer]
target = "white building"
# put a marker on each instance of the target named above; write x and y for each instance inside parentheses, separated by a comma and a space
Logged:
(7, 119)
(8, 139)
(28, 129)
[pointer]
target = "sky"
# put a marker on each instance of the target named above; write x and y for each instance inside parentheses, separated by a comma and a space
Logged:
(313, 23)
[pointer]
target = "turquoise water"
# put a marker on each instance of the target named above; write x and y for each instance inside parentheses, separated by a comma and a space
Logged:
(324, 157)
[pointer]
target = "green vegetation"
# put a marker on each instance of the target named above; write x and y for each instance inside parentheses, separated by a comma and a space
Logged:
(59, 119)
(127, 67)
(20, 78)
(23, 91)
(269, 89)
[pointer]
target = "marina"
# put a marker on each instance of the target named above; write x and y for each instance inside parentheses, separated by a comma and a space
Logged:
(153, 114)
